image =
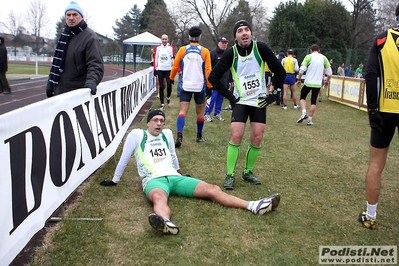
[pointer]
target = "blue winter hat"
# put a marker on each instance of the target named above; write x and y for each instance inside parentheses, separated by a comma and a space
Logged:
(74, 6)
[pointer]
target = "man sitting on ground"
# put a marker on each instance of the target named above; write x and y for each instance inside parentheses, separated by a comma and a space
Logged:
(158, 167)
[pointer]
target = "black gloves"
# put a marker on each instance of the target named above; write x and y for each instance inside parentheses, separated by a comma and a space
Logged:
(172, 82)
(265, 100)
(375, 119)
(233, 100)
(108, 183)
(93, 88)
(208, 93)
(49, 89)
(262, 100)
(49, 93)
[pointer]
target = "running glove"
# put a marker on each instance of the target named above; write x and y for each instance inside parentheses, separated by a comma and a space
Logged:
(49, 89)
(375, 119)
(265, 100)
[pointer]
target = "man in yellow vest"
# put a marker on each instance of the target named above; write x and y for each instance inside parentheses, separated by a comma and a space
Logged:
(291, 66)
(382, 71)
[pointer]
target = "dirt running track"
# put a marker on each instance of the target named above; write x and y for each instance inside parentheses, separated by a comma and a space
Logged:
(30, 89)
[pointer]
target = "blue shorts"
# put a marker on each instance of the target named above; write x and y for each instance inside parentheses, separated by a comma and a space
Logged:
(174, 185)
(290, 79)
(199, 97)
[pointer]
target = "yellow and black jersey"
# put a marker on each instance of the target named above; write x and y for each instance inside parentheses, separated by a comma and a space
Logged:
(382, 73)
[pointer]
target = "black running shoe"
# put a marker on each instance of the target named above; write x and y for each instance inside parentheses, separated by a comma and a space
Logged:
(179, 140)
(229, 182)
(251, 178)
(162, 224)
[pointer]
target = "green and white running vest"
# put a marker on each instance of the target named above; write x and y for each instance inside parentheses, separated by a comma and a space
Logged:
(249, 76)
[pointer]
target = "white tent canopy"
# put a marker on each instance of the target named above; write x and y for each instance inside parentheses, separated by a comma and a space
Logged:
(145, 38)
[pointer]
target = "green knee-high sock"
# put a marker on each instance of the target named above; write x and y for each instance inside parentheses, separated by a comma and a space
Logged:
(252, 155)
(233, 151)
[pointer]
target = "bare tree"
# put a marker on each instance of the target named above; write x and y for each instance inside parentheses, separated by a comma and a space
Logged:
(212, 13)
(385, 14)
(38, 20)
(37, 17)
(13, 23)
(260, 22)
(182, 17)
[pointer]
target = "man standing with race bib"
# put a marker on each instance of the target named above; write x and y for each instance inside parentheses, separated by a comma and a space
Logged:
(246, 60)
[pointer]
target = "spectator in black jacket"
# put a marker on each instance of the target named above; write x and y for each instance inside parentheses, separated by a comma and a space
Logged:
(78, 60)
(4, 86)
(216, 99)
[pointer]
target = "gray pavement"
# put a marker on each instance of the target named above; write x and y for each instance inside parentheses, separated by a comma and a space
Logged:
(11, 77)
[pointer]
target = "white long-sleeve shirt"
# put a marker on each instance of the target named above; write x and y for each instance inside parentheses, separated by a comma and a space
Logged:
(164, 57)
(155, 155)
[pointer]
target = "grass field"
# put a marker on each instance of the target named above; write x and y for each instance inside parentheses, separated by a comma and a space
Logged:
(28, 69)
(319, 171)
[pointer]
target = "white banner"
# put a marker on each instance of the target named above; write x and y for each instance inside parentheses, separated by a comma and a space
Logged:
(49, 148)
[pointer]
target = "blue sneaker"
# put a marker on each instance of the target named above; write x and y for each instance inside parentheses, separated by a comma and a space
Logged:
(162, 224)
(266, 205)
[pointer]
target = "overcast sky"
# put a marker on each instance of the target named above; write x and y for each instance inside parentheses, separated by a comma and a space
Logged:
(100, 15)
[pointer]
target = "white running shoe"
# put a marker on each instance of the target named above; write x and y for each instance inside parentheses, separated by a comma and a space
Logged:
(266, 205)
(162, 224)
(218, 117)
(208, 118)
(296, 106)
(228, 107)
(302, 117)
(310, 123)
(284, 107)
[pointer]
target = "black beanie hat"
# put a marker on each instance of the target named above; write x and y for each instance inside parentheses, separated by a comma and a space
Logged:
(153, 113)
(239, 24)
(194, 31)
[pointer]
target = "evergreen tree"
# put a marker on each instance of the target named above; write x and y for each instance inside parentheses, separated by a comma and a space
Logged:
(157, 20)
(60, 26)
(128, 26)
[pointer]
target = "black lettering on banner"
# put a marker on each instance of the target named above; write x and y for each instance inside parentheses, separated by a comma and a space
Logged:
(102, 131)
(59, 144)
(123, 106)
(86, 129)
(109, 102)
(136, 92)
(18, 153)
(130, 97)
(126, 101)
